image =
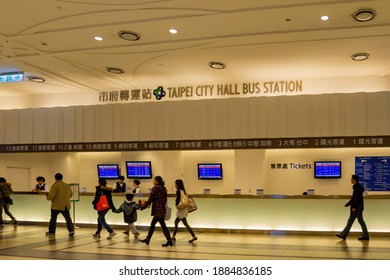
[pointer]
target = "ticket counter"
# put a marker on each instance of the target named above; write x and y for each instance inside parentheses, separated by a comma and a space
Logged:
(229, 212)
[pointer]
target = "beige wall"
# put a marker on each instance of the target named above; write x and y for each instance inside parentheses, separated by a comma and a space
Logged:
(245, 169)
(357, 114)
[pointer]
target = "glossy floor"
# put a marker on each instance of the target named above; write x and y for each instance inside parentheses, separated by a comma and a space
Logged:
(29, 242)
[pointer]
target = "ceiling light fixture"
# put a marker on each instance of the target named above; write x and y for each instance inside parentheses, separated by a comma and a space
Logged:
(98, 38)
(364, 15)
(324, 18)
(360, 56)
(36, 79)
(129, 35)
(114, 70)
(217, 65)
(173, 31)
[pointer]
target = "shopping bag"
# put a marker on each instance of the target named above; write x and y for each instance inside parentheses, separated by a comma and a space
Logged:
(191, 205)
(102, 203)
(168, 213)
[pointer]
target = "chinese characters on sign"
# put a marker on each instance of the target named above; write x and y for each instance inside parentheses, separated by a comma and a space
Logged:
(201, 91)
(213, 144)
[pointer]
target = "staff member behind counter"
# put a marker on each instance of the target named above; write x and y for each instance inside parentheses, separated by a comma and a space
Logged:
(120, 186)
(41, 185)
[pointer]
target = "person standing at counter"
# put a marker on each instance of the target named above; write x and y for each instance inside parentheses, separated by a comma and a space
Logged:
(60, 194)
(41, 185)
(357, 206)
(136, 188)
(158, 199)
(120, 186)
(5, 192)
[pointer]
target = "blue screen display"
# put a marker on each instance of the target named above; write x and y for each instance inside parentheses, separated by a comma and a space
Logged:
(108, 171)
(374, 172)
(210, 171)
(139, 169)
(327, 169)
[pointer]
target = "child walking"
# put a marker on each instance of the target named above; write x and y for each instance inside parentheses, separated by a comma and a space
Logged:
(129, 209)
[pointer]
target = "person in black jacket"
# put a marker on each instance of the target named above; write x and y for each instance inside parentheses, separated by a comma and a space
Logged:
(357, 206)
(103, 189)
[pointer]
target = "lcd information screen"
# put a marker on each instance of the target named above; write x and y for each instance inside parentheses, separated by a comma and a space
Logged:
(209, 171)
(327, 169)
(139, 169)
(108, 171)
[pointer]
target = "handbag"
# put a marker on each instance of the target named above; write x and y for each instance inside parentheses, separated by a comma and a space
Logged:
(102, 203)
(191, 205)
(184, 202)
(7, 199)
(168, 213)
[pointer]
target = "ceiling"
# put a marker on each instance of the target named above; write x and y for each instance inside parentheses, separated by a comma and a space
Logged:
(255, 39)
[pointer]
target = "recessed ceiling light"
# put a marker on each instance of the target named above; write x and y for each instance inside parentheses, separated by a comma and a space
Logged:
(324, 18)
(360, 56)
(36, 79)
(98, 38)
(363, 15)
(114, 70)
(173, 31)
(217, 65)
(129, 35)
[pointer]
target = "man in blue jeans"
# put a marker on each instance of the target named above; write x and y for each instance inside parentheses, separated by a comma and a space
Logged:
(60, 194)
(357, 207)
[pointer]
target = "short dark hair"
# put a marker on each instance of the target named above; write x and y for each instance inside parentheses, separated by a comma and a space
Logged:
(121, 177)
(129, 196)
(3, 180)
(355, 177)
(40, 178)
(58, 176)
(137, 182)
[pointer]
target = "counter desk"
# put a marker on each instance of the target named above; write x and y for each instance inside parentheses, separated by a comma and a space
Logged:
(290, 213)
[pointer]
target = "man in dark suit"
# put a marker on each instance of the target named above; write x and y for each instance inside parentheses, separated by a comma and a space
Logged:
(357, 206)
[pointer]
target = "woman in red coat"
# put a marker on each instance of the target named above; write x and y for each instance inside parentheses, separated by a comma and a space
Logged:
(158, 200)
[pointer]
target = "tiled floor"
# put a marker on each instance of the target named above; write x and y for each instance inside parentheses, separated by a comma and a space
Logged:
(29, 242)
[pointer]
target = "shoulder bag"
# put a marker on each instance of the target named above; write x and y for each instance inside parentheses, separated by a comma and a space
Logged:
(191, 204)
(184, 202)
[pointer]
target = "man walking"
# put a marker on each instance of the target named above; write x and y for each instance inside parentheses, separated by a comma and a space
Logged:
(60, 194)
(357, 207)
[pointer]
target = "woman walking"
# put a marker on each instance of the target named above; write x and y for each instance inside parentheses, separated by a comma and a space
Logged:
(182, 210)
(158, 200)
(102, 189)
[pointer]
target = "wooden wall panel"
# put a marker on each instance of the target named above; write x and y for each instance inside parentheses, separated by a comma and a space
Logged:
(258, 117)
(39, 126)
(11, 130)
(54, 127)
(68, 124)
(25, 126)
(2, 126)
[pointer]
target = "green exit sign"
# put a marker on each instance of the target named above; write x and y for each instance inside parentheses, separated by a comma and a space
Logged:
(11, 77)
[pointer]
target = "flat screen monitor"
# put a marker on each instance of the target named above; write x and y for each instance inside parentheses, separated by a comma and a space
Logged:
(327, 169)
(139, 169)
(108, 171)
(210, 171)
